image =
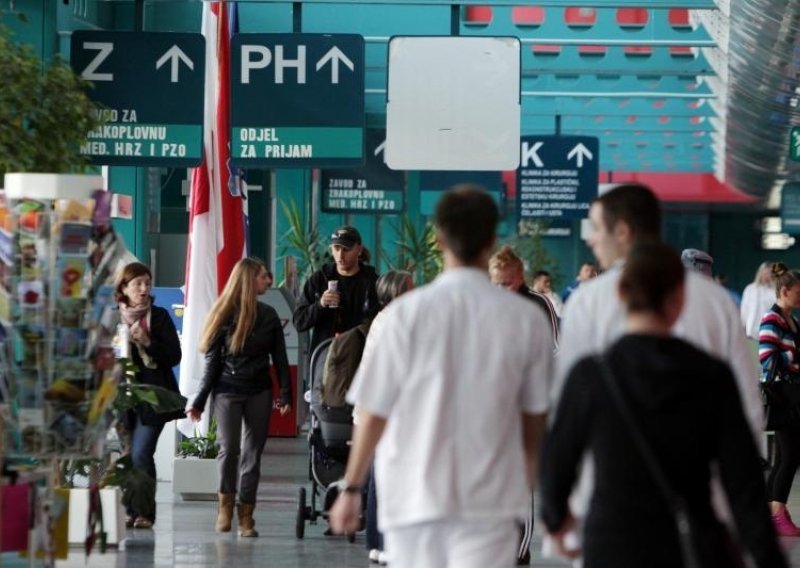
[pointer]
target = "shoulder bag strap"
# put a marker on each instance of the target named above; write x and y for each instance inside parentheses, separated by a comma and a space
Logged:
(675, 501)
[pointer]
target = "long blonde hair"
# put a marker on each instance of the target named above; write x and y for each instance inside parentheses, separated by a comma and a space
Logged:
(238, 300)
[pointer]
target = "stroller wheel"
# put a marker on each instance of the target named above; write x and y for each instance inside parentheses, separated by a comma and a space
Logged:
(300, 522)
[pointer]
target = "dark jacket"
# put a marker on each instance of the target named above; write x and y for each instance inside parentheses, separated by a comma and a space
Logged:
(359, 302)
(165, 349)
(247, 372)
(542, 301)
(687, 407)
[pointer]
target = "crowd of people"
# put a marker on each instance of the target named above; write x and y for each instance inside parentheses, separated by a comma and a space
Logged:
(633, 396)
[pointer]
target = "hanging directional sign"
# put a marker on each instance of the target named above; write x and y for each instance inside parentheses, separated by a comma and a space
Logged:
(373, 188)
(297, 100)
(794, 144)
(433, 184)
(557, 177)
(149, 89)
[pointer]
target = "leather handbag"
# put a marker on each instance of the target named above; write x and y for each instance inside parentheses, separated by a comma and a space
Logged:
(780, 395)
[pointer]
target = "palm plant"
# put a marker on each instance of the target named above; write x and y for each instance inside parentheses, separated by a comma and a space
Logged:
(417, 251)
(301, 241)
(529, 245)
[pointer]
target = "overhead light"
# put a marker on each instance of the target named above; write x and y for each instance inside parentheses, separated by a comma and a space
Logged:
(776, 241)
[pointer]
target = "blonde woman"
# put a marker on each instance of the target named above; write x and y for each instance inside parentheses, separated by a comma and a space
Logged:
(240, 336)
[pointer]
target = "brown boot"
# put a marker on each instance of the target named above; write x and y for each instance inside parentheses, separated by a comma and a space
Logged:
(225, 511)
(246, 521)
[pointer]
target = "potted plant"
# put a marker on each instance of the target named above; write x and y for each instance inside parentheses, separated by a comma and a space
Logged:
(46, 117)
(195, 474)
(120, 484)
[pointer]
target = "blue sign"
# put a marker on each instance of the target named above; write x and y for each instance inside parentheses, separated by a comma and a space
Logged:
(373, 188)
(433, 184)
(149, 88)
(557, 176)
(297, 100)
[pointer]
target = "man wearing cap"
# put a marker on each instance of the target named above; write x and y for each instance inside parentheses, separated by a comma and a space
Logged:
(350, 297)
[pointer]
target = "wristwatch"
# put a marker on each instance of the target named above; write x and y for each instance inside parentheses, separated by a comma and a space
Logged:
(346, 487)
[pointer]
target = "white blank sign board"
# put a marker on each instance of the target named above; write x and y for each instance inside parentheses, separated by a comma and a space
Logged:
(453, 103)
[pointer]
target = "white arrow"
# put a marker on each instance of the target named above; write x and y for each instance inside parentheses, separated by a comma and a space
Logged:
(335, 56)
(581, 152)
(381, 147)
(175, 55)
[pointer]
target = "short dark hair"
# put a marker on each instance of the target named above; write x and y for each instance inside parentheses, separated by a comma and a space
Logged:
(466, 218)
(391, 285)
(653, 270)
(634, 204)
(540, 273)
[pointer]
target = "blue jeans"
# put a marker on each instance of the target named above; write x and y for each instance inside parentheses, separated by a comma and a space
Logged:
(144, 439)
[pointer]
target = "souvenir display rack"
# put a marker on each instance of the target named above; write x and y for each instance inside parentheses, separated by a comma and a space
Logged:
(58, 373)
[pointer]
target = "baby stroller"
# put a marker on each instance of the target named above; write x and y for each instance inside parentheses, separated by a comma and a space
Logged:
(329, 447)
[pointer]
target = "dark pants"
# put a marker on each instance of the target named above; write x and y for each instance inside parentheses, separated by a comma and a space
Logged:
(239, 456)
(374, 536)
(787, 460)
(144, 439)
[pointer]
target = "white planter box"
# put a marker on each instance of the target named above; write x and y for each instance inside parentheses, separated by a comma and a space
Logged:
(195, 479)
(113, 515)
(51, 186)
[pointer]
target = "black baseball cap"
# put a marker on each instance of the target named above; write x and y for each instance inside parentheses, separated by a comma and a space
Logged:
(346, 236)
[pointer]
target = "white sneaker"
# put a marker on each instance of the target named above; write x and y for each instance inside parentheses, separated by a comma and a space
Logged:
(374, 555)
(383, 558)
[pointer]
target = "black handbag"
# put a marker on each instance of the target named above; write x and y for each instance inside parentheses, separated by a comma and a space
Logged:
(780, 396)
(689, 535)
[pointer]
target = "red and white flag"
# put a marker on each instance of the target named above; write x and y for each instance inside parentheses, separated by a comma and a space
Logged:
(217, 223)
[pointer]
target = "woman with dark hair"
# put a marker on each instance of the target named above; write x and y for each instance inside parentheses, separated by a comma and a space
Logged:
(154, 349)
(777, 347)
(686, 407)
(239, 337)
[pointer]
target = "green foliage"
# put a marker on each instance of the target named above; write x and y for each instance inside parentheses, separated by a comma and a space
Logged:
(138, 488)
(45, 114)
(204, 447)
(302, 241)
(132, 394)
(72, 468)
(529, 245)
(417, 251)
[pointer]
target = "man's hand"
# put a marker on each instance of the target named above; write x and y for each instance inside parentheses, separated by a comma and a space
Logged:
(329, 299)
(284, 408)
(345, 516)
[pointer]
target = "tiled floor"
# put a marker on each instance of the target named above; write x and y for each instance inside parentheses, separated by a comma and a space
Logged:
(184, 535)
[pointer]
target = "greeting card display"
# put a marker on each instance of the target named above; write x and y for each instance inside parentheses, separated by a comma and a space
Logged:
(56, 324)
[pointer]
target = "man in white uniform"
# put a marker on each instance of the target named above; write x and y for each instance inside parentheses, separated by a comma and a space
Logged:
(456, 392)
(594, 317)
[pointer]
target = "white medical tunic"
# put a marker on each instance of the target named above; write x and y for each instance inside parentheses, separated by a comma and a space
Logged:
(594, 318)
(454, 366)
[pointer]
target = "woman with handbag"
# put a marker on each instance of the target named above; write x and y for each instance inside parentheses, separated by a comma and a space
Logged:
(239, 338)
(655, 413)
(154, 349)
(777, 353)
